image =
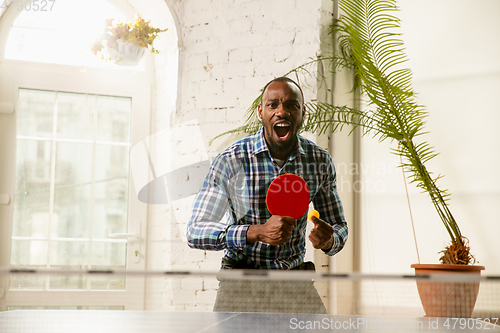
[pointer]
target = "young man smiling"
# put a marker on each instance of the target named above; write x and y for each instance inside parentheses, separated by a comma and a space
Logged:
(236, 187)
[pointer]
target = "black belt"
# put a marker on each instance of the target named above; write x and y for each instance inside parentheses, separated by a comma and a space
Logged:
(229, 263)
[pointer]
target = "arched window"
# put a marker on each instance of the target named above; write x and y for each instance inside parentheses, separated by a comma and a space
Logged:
(66, 145)
(62, 33)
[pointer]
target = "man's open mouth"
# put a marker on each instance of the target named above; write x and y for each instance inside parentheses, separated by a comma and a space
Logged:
(282, 130)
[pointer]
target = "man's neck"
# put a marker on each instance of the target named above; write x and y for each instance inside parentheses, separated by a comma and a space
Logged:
(282, 155)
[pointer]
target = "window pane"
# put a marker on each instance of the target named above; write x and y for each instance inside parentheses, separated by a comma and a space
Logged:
(111, 191)
(78, 282)
(113, 118)
(75, 116)
(82, 194)
(108, 256)
(32, 193)
(62, 33)
(70, 255)
(103, 282)
(72, 191)
(28, 253)
(27, 281)
(35, 113)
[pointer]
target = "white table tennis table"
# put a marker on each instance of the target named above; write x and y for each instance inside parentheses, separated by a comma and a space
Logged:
(107, 321)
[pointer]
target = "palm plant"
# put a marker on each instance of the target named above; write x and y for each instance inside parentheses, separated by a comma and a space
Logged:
(369, 45)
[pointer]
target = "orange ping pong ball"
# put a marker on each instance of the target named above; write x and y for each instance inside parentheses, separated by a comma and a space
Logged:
(312, 212)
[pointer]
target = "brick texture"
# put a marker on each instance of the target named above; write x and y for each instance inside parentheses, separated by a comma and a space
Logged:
(228, 50)
(214, 60)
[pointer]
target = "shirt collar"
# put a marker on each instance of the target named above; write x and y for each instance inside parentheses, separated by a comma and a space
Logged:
(260, 144)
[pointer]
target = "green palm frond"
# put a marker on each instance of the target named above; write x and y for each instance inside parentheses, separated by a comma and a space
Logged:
(368, 29)
(252, 124)
(323, 117)
(369, 45)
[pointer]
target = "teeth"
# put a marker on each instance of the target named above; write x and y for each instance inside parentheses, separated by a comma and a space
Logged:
(282, 125)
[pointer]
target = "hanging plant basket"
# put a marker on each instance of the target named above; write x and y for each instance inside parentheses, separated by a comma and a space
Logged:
(126, 43)
(126, 53)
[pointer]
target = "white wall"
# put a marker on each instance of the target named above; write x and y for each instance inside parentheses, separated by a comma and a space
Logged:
(215, 58)
(228, 51)
(454, 53)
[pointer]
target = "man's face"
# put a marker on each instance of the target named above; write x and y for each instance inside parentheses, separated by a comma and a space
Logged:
(282, 110)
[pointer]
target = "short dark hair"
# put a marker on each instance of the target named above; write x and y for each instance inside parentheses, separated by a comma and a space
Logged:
(282, 79)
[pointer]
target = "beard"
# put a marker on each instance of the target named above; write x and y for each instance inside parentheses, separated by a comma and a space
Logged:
(281, 148)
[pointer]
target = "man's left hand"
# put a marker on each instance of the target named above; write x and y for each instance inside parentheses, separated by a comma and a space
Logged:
(321, 235)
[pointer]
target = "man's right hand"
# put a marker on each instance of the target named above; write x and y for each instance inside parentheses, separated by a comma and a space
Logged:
(276, 231)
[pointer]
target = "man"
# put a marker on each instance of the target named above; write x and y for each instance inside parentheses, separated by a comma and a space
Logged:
(236, 186)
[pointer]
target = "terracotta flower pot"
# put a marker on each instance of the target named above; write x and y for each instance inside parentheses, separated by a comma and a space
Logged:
(447, 299)
(127, 53)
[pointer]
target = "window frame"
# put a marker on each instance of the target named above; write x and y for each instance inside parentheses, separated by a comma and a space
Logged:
(66, 78)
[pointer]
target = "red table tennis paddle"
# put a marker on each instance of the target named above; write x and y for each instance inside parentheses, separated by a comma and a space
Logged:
(288, 195)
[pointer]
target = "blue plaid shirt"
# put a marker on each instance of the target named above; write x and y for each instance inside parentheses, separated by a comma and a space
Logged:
(233, 197)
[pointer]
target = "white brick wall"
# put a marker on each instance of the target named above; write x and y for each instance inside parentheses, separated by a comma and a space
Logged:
(214, 60)
(228, 50)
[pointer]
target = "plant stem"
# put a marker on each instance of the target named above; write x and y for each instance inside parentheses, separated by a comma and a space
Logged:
(434, 192)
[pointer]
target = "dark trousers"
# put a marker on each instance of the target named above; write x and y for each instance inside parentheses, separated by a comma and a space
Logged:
(271, 296)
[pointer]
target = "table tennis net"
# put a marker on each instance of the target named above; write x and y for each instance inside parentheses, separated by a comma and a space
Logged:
(266, 291)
